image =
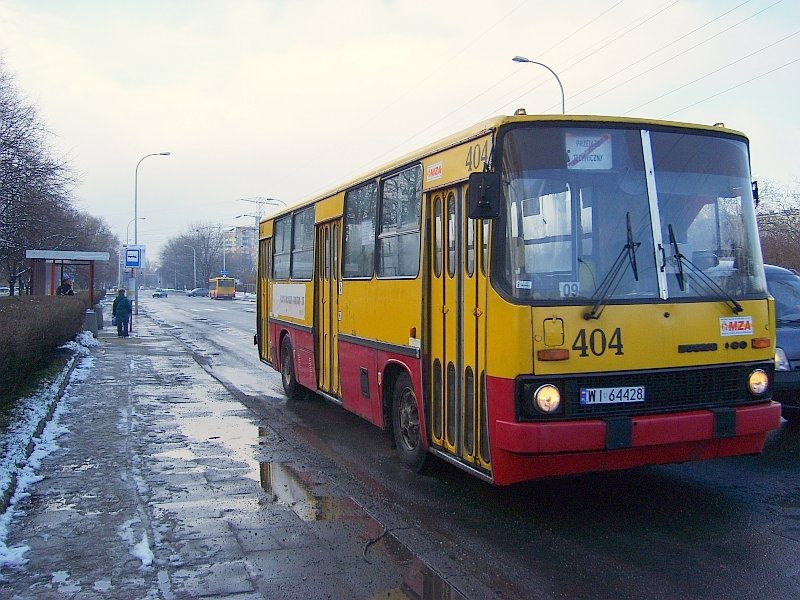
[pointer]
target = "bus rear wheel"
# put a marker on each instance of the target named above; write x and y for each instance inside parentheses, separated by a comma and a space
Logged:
(406, 425)
(290, 386)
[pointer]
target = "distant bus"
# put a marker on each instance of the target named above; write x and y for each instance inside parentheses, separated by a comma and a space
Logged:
(222, 288)
(534, 296)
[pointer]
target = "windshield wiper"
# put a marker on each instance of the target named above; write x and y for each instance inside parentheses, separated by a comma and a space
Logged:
(631, 246)
(609, 283)
(697, 274)
(677, 253)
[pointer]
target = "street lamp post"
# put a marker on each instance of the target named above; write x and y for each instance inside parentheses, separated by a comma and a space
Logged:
(256, 217)
(225, 239)
(127, 243)
(194, 263)
(522, 59)
(128, 229)
(253, 254)
(136, 224)
(260, 201)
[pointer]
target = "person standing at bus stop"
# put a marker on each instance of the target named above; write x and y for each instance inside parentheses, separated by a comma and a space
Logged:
(65, 289)
(121, 310)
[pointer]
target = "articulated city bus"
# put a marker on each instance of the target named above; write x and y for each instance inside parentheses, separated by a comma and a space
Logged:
(222, 288)
(534, 296)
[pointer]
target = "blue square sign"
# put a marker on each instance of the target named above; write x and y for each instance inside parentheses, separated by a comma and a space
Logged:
(133, 257)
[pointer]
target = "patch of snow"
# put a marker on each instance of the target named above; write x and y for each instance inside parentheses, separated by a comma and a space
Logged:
(140, 550)
(143, 552)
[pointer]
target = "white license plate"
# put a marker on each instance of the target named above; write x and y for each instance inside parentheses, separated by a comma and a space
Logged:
(612, 395)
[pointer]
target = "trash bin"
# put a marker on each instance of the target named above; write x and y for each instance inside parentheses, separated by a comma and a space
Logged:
(98, 309)
(90, 322)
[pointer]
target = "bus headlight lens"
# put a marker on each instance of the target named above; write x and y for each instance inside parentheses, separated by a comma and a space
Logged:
(781, 362)
(758, 382)
(547, 399)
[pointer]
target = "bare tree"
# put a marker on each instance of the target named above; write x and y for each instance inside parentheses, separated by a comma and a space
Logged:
(206, 239)
(35, 205)
(778, 216)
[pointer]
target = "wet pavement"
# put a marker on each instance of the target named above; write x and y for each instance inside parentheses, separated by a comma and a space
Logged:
(165, 486)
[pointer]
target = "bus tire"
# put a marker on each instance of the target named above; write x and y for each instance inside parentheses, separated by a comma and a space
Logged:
(792, 416)
(290, 386)
(406, 425)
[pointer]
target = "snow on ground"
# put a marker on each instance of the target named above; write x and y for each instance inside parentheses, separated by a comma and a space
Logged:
(19, 469)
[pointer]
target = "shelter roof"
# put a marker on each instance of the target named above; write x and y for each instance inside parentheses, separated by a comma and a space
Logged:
(67, 256)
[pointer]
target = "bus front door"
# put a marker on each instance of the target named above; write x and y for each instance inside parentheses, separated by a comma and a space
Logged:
(457, 330)
(262, 299)
(326, 311)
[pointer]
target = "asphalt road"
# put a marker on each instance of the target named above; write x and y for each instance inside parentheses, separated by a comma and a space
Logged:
(727, 528)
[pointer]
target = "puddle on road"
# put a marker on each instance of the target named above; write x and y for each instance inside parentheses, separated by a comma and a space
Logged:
(287, 484)
(224, 429)
(419, 581)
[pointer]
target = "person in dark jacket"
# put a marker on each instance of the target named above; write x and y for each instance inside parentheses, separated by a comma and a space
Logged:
(121, 309)
(65, 289)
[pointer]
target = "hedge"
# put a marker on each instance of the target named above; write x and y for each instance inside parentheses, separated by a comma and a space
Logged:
(32, 328)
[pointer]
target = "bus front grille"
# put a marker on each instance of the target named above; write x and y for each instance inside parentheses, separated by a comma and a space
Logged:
(668, 390)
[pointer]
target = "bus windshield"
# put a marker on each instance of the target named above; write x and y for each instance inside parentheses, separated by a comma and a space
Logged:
(596, 214)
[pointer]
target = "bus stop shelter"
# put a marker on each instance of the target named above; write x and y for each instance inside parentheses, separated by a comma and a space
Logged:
(47, 269)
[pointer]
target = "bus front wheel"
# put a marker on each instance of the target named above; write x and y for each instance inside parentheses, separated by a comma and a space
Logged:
(406, 425)
(290, 386)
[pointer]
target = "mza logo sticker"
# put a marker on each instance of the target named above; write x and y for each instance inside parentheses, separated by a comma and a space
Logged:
(735, 326)
(435, 171)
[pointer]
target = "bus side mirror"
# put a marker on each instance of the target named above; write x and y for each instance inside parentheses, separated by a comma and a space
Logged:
(484, 195)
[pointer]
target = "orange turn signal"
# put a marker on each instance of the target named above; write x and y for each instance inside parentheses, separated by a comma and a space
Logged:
(761, 342)
(554, 354)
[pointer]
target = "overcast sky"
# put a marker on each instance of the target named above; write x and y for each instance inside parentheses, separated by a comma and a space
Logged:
(287, 98)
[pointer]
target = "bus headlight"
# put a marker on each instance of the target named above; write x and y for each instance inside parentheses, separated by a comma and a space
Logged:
(547, 399)
(758, 382)
(781, 362)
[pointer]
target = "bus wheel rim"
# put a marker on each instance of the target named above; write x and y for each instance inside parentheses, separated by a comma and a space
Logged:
(286, 369)
(409, 420)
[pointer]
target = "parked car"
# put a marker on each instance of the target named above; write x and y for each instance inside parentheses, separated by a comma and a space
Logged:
(159, 293)
(198, 292)
(784, 286)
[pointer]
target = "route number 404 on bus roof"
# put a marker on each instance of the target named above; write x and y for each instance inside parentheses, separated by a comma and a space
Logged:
(477, 155)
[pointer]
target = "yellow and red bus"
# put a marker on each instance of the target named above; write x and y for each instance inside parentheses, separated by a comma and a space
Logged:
(222, 288)
(534, 296)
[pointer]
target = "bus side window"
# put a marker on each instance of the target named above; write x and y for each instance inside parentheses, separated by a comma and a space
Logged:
(358, 248)
(398, 239)
(283, 248)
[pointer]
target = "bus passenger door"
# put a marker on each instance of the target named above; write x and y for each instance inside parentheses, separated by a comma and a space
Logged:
(262, 299)
(326, 312)
(457, 329)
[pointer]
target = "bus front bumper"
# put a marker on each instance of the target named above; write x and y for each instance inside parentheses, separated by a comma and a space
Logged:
(697, 426)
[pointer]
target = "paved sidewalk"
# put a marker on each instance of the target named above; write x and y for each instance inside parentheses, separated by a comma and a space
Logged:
(166, 487)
